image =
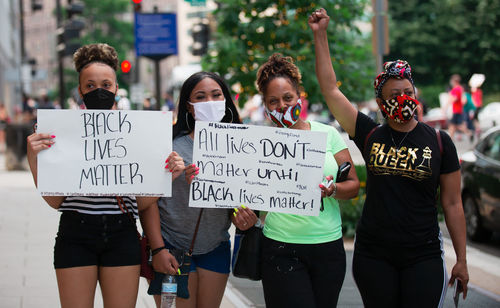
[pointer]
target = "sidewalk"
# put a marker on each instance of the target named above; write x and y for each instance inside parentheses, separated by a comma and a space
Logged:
(28, 227)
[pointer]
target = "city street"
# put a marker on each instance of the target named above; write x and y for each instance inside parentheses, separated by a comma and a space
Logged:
(28, 227)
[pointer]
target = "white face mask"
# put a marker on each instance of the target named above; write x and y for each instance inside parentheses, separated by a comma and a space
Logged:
(212, 111)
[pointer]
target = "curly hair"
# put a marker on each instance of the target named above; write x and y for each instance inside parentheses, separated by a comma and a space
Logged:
(278, 66)
(92, 53)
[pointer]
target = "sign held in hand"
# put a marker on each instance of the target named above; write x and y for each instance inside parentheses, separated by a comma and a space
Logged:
(105, 153)
(264, 168)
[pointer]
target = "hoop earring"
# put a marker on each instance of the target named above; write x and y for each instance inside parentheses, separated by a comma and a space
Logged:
(187, 122)
(232, 115)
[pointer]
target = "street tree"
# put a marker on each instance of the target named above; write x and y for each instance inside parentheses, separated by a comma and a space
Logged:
(106, 22)
(248, 32)
(440, 38)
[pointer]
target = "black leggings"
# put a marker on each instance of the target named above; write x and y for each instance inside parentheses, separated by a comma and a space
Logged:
(302, 275)
(399, 280)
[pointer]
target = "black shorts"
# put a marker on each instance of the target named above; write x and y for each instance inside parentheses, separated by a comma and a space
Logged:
(102, 240)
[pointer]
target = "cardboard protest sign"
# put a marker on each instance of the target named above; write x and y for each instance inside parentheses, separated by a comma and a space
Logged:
(264, 168)
(105, 153)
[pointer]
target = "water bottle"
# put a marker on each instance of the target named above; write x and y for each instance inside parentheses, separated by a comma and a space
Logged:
(168, 291)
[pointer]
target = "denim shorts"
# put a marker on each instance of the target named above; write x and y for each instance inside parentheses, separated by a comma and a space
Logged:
(101, 240)
(457, 118)
(217, 260)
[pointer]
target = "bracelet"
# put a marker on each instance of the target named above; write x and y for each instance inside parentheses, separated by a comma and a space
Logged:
(334, 192)
(157, 250)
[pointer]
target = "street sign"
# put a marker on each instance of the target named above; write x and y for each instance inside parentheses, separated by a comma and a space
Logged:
(196, 2)
(155, 35)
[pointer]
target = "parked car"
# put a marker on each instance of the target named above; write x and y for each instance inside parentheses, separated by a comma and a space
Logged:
(435, 117)
(489, 116)
(481, 186)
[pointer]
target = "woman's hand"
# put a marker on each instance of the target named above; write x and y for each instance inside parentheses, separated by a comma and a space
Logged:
(318, 21)
(175, 164)
(328, 190)
(38, 142)
(191, 172)
(243, 218)
(461, 273)
(165, 262)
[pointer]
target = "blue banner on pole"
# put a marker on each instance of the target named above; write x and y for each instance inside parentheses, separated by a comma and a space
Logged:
(155, 35)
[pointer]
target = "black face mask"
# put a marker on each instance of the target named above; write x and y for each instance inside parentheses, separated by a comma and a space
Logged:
(99, 99)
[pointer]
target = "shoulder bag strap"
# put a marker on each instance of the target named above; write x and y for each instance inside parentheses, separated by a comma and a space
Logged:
(195, 233)
(124, 208)
(440, 142)
(368, 136)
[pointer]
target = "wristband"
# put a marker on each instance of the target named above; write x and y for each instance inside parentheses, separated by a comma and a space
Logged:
(157, 250)
(334, 192)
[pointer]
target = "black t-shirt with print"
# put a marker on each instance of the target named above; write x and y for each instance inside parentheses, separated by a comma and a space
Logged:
(400, 207)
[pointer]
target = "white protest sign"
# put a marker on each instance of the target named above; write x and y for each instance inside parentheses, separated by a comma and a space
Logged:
(263, 168)
(105, 153)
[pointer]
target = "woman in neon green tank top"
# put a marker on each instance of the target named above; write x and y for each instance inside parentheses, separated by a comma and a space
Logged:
(303, 261)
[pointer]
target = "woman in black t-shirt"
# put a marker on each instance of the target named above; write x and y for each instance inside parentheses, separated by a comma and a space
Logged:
(398, 258)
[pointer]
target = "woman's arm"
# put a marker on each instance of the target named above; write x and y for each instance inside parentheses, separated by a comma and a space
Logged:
(149, 215)
(343, 111)
(455, 222)
(347, 189)
(37, 143)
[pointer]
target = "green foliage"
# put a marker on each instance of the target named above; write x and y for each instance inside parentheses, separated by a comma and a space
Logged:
(444, 37)
(491, 97)
(350, 210)
(248, 32)
(104, 23)
(430, 94)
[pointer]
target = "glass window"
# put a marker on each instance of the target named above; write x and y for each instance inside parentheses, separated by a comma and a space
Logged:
(492, 146)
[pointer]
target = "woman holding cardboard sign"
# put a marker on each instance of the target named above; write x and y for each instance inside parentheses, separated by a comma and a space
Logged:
(204, 96)
(97, 241)
(303, 256)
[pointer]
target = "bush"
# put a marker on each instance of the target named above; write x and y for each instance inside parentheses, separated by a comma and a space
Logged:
(430, 95)
(490, 97)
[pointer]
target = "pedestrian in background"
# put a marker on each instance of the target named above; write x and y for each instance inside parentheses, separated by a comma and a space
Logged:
(204, 96)
(469, 110)
(303, 257)
(4, 120)
(457, 103)
(398, 258)
(475, 83)
(97, 240)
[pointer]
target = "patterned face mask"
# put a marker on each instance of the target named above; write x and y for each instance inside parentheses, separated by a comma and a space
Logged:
(286, 117)
(400, 108)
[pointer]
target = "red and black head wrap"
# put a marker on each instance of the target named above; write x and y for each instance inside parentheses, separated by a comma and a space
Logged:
(399, 69)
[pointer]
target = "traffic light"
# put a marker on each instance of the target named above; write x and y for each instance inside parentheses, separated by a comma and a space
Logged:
(137, 5)
(200, 34)
(70, 31)
(126, 66)
(74, 9)
(36, 5)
